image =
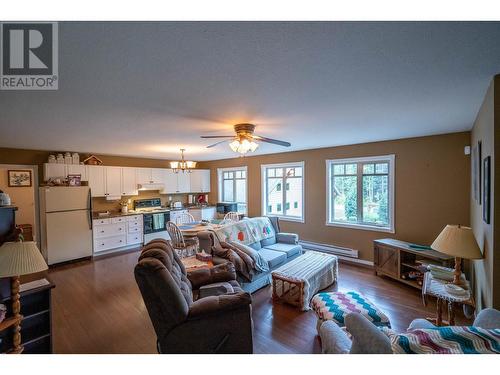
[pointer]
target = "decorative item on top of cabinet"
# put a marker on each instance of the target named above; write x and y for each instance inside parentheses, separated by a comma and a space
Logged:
(92, 160)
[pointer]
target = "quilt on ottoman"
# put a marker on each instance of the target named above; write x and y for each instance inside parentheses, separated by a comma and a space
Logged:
(336, 305)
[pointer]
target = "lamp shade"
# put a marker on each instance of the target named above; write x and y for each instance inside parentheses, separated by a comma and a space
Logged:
(457, 241)
(20, 258)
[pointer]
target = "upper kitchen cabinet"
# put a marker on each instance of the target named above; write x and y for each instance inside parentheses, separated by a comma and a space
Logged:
(150, 175)
(77, 169)
(54, 170)
(97, 180)
(113, 181)
(200, 181)
(183, 182)
(143, 175)
(176, 183)
(129, 181)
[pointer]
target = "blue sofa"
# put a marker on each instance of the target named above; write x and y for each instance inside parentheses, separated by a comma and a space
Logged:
(277, 250)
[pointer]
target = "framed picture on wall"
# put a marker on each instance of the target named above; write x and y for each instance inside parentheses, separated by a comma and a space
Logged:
(486, 189)
(19, 177)
(74, 179)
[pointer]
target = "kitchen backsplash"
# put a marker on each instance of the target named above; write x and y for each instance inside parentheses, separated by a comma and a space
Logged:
(101, 204)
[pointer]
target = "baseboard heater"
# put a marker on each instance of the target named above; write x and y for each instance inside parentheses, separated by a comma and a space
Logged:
(330, 249)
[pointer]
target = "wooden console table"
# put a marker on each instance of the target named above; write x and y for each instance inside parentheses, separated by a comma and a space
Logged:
(395, 259)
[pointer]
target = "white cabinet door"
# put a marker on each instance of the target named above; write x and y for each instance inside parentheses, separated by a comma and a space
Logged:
(170, 181)
(183, 182)
(77, 169)
(208, 213)
(113, 181)
(143, 175)
(97, 181)
(200, 181)
(52, 170)
(157, 175)
(129, 183)
(197, 213)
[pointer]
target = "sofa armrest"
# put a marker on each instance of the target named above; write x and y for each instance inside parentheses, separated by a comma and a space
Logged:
(333, 339)
(488, 319)
(290, 238)
(219, 273)
(218, 304)
(366, 337)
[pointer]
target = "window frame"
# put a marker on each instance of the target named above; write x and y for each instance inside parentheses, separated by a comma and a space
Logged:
(263, 174)
(220, 185)
(390, 228)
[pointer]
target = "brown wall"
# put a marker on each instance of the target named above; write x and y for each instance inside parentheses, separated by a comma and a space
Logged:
(431, 188)
(486, 272)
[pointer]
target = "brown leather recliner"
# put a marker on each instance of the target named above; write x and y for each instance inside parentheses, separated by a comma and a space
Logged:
(213, 324)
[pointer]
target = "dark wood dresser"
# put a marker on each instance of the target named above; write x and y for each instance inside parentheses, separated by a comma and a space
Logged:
(36, 325)
(397, 259)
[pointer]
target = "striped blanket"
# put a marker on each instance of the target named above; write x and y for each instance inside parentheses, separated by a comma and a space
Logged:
(246, 231)
(446, 340)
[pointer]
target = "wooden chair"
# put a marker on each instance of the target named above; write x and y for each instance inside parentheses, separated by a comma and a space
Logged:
(184, 218)
(183, 247)
(232, 216)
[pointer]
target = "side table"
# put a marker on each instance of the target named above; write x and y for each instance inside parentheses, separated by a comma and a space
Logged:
(436, 288)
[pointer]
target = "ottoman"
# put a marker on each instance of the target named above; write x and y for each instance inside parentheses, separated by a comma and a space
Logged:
(336, 305)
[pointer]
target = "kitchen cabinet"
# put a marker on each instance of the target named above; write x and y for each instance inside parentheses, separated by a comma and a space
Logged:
(183, 182)
(97, 180)
(117, 233)
(129, 181)
(113, 181)
(77, 169)
(170, 182)
(199, 181)
(52, 170)
(150, 175)
(203, 213)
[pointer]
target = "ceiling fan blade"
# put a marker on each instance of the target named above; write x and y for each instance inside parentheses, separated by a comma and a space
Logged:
(216, 136)
(274, 141)
(218, 143)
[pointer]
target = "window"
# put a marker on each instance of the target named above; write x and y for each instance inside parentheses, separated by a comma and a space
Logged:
(283, 190)
(361, 193)
(233, 186)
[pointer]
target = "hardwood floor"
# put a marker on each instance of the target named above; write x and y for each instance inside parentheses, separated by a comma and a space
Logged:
(97, 308)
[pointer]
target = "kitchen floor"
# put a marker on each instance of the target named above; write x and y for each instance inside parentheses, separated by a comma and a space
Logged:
(97, 308)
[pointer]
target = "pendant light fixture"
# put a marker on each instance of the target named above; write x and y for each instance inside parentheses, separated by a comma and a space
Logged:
(182, 165)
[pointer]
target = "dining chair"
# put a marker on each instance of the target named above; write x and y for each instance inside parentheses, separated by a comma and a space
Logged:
(183, 246)
(232, 216)
(184, 218)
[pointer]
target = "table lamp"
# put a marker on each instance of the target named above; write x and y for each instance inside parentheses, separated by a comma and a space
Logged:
(16, 259)
(458, 241)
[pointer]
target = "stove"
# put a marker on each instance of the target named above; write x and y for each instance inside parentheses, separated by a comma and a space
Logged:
(155, 218)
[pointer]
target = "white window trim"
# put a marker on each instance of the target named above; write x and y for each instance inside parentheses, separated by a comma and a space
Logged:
(392, 171)
(263, 190)
(220, 172)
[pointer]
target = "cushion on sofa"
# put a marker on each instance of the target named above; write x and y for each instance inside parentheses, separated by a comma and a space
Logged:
(268, 241)
(273, 258)
(289, 249)
(255, 245)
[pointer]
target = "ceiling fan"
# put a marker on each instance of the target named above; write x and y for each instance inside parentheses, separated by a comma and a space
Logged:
(244, 139)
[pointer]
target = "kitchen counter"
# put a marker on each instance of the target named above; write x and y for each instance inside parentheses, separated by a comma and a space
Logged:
(95, 215)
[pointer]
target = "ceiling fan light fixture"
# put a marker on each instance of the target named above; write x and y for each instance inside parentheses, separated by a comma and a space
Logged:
(243, 146)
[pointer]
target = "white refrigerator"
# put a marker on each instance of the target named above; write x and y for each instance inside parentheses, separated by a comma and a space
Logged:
(66, 223)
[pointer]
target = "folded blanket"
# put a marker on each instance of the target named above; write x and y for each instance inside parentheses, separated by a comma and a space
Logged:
(243, 263)
(261, 264)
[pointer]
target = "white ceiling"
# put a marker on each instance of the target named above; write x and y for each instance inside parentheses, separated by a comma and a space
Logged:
(148, 89)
